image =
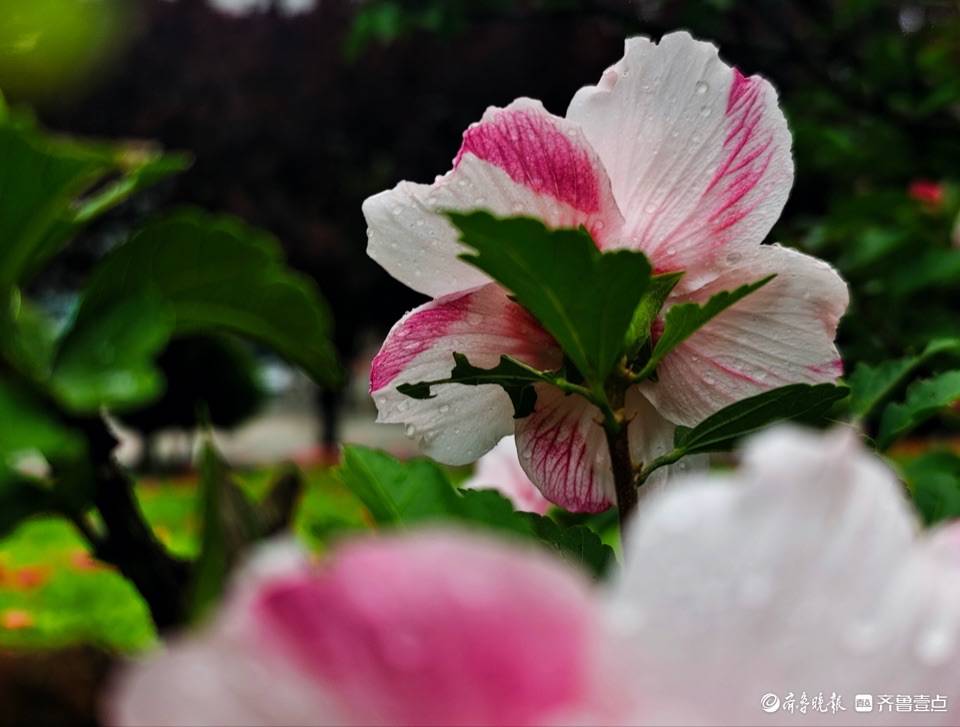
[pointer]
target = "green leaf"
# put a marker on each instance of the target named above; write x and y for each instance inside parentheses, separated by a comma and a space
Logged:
(29, 425)
(229, 524)
(870, 385)
(20, 498)
(934, 482)
(798, 402)
(925, 399)
(218, 274)
(515, 377)
(27, 338)
(399, 494)
(584, 298)
(576, 543)
(395, 492)
(647, 310)
(110, 361)
(684, 319)
(48, 189)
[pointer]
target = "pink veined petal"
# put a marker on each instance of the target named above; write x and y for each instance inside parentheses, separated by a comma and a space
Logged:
(781, 577)
(500, 469)
(519, 160)
(460, 422)
(563, 448)
(781, 334)
(438, 629)
(697, 153)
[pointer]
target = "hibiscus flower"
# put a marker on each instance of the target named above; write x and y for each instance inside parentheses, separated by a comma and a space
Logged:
(673, 153)
(500, 469)
(430, 628)
(800, 574)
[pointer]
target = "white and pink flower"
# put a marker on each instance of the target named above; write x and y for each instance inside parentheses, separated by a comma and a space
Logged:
(673, 153)
(431, 628)
(802, 573)
(500, 470)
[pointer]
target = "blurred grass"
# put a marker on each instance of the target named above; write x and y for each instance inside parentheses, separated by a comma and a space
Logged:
(53, 593)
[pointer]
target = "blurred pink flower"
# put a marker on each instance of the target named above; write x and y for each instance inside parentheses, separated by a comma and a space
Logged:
(426, 629)
(799, 577)
(802, 574)
(673, 153)
(499, 469)
(928, 192)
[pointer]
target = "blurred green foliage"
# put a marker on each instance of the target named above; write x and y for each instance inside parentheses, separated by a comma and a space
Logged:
(51, 48)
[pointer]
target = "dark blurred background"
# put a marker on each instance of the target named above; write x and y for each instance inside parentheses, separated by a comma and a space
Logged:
(297, 110)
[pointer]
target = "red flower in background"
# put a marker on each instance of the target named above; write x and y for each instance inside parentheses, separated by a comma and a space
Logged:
(926, 191)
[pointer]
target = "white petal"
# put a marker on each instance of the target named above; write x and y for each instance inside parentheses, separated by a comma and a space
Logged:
(781, 334)
(460, 422)
(698, 155)
(757, 582)
(519, 160)
(500, 469)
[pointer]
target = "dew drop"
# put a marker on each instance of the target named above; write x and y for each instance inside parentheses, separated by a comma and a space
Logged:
(410, 345)
(702, 87)
(397, 211)
(705, 110)
(444, 409)
(671, 251)
(410, 430)
(599, 225)
(709, 380)
(474, 319)
(862, 637)
(734, 257)
(934, 647)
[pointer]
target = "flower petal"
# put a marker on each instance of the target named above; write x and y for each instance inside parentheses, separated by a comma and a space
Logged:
(781, 334)
(460, 422)
(698, 154)
(438, 628)
(563, 448)
(737, 586)
(564, 451)
(500, 469)
(652, 436)
(519, 160)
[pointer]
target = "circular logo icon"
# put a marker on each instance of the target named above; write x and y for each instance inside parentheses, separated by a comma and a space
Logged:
(770, 702)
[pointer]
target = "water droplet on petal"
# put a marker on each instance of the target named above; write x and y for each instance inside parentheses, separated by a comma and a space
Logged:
(734, 257)
(444, 409)
(862, 637)
(474, 319)
(934, 647)
(705, 110)
(702, 87)
(410, 430)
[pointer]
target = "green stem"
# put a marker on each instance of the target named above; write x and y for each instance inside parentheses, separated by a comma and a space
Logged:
(663, 460)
